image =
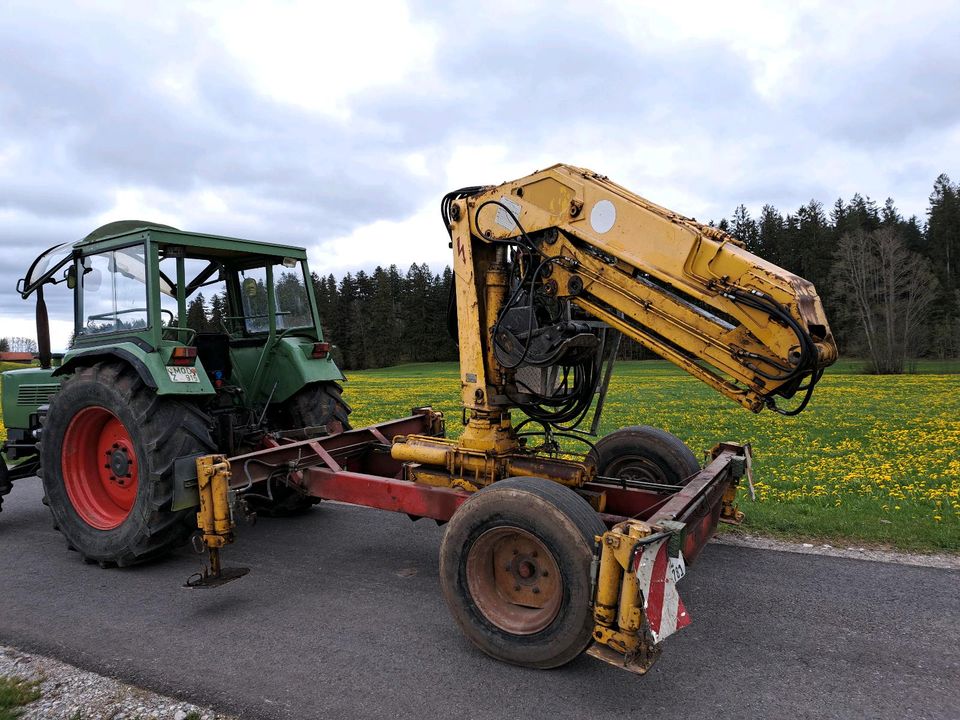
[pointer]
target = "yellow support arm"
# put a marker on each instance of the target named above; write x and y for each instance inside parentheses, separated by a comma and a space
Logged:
(215, 521)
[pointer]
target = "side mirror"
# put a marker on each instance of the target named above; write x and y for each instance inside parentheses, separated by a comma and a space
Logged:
(250, 287)
(70, 275)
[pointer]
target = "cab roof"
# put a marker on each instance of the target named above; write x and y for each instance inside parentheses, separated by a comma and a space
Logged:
(123, 232)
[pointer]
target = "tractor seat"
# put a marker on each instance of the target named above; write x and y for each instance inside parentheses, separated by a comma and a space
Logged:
(213, 350)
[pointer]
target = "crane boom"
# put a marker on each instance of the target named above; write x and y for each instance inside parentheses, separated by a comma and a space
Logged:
(689, 292)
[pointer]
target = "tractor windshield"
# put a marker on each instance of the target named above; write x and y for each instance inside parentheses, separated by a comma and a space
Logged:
(114, 292)
(293, 304)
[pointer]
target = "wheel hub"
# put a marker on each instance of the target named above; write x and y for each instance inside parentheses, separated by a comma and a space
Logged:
(514, 580)
(119, 463)
(525, 569)
(638, 469)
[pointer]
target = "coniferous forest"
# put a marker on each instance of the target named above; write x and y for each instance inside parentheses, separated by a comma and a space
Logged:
(891, 285)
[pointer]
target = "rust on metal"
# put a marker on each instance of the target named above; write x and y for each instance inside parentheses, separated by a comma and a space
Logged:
(514, 580)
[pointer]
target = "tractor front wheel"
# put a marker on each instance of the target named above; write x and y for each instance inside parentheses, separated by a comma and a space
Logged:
(107, 451)
(515, 571)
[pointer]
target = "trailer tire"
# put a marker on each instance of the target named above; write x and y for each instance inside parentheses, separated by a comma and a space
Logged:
(534, 536)
(317, 405)
(642, 452)
(107, 521)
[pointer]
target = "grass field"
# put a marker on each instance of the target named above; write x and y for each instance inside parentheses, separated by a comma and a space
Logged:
(872, 460)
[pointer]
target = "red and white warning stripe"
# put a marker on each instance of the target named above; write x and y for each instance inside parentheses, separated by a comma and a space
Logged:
(658, 574)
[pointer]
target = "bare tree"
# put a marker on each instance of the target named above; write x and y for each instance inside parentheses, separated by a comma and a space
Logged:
(21, 344)
(887, 290)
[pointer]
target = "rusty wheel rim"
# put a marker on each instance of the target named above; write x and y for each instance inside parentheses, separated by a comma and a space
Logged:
(636, 467)
(514, 580)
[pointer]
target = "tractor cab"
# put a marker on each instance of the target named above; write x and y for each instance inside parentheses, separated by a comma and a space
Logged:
(229, 325)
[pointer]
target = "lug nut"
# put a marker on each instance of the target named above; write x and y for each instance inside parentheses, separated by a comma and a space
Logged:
(536, 591)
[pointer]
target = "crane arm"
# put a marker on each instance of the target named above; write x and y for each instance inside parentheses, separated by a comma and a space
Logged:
(571, 241)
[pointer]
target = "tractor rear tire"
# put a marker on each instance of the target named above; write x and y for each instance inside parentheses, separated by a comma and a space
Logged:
(646, 453)
(107, 450)
(317, 405)
(515, 571)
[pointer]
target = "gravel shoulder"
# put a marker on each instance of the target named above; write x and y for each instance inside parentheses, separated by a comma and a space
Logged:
(758, 542)
(68, 693)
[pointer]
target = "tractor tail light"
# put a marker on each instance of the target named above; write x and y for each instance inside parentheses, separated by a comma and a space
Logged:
(320, 350)
(183, 356)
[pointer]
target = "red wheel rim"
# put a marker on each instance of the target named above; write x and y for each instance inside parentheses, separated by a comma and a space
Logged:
(100, 469)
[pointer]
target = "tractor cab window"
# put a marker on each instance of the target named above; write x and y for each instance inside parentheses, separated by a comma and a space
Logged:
(293, 304)
(206, 294)
(114, 292)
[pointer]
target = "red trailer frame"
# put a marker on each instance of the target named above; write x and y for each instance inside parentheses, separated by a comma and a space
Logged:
(356, 467)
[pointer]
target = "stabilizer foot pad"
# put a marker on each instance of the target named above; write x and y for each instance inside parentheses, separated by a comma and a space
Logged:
(203, 580)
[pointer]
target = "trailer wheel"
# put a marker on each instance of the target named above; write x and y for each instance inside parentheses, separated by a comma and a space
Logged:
(317, 405)
(644, 453)
(107, 453)
(515, 571)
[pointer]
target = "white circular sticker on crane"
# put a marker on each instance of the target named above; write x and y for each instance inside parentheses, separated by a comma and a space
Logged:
(603, 216)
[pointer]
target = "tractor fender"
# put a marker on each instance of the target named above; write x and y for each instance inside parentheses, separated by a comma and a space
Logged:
(149, 365)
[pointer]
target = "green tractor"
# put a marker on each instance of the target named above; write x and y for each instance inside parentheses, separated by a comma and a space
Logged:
(154, 379)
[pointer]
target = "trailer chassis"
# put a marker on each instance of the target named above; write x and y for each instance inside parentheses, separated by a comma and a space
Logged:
(653, 531)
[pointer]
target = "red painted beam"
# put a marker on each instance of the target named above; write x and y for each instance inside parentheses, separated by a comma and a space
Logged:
(383, 493)
(258, 465)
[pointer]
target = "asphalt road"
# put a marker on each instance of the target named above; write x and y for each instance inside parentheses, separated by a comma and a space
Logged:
(342, 617)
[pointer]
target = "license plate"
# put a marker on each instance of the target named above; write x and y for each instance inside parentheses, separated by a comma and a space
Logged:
(676, 567)
(183, 374)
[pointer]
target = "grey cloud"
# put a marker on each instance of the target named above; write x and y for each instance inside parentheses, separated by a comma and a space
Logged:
(82, 114)
(515, 82)
(888, 88)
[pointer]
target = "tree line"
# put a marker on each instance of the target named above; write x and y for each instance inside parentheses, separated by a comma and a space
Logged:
(385, 317)
(890, 284)
(18, 344)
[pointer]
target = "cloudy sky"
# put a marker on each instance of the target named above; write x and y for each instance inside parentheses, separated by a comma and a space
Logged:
(338, 126)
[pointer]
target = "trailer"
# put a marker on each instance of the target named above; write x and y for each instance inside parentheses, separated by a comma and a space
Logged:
(646, 534)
